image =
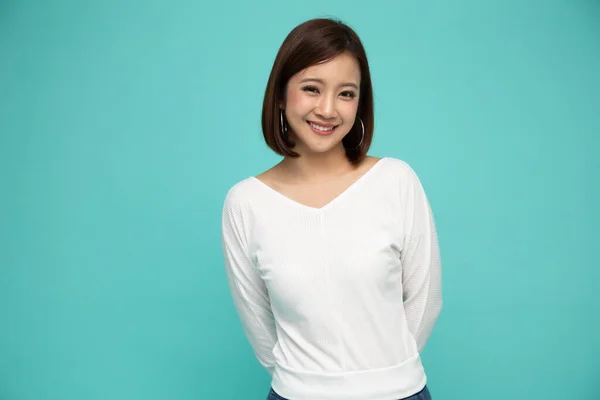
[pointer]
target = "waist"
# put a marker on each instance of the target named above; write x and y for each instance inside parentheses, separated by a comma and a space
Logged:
(395, 382)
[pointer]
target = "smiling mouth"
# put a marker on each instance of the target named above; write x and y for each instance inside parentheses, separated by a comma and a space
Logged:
(321, 129)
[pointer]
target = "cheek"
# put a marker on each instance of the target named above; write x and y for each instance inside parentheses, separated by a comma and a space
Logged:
(297, 103)
(349, 110)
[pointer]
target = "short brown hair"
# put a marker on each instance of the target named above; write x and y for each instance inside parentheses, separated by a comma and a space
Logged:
(310, 43)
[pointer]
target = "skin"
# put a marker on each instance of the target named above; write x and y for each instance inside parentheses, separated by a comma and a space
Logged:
(328, 95)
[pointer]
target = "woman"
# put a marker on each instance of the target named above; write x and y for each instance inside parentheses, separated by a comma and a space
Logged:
(331, 255)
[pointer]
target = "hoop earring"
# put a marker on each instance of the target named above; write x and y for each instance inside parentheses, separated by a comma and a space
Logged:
(282, 125)
(362, 137)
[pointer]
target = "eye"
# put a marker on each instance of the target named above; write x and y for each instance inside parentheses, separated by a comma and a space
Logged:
(348, 94)
(311, 89)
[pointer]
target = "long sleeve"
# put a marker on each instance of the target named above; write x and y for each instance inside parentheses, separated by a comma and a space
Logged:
(249, 293)
(421, 274)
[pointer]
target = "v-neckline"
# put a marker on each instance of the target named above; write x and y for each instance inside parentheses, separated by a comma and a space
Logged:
(331, 202)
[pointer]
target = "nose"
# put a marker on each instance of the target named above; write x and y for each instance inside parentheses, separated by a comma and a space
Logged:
(326, 107)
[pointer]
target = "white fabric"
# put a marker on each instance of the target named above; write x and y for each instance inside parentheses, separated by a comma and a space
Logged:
(337, 302)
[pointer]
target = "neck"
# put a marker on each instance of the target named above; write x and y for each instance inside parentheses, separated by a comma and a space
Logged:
(317, 167)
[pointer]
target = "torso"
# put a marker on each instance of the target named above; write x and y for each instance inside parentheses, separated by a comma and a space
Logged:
(315, 195)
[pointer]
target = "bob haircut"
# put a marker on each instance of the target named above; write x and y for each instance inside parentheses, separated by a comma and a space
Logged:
(310, 43)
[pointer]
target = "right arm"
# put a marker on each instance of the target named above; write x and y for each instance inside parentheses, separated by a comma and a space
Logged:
(248, 291)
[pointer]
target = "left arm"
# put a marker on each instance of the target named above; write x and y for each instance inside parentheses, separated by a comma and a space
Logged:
(421, 265)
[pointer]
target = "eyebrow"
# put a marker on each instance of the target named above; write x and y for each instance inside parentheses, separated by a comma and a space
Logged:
(323, 82)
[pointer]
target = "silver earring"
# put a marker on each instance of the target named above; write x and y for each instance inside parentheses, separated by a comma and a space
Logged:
(282, 125)
(362, 137)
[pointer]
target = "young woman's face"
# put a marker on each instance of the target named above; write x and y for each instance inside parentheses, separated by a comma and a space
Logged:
(321, 104)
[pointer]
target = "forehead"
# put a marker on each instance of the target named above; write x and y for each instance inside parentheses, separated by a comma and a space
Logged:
(343, 67)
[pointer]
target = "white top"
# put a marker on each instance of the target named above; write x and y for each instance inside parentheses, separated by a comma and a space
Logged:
(337, 302)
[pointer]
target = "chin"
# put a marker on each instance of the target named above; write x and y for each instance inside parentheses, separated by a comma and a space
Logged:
(322, 148)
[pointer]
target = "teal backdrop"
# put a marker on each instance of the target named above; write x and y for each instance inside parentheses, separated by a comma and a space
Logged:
(124, 123)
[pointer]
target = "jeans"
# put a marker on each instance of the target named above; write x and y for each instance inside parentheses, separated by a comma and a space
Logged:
(422, 395)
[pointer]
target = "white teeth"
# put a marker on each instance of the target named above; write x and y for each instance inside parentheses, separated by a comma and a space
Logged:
(321, 128)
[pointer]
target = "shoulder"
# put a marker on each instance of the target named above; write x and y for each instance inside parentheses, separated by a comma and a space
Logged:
(239, 195)
(243, 193)
(399, 168)
(402, 175)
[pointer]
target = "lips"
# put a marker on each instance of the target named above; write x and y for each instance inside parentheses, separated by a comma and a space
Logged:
(322, 129)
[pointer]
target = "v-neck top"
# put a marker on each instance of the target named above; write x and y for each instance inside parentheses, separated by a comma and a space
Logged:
(337, 302)
(350, 188)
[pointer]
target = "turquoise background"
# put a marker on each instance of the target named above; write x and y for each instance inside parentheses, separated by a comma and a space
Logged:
(123, 124)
